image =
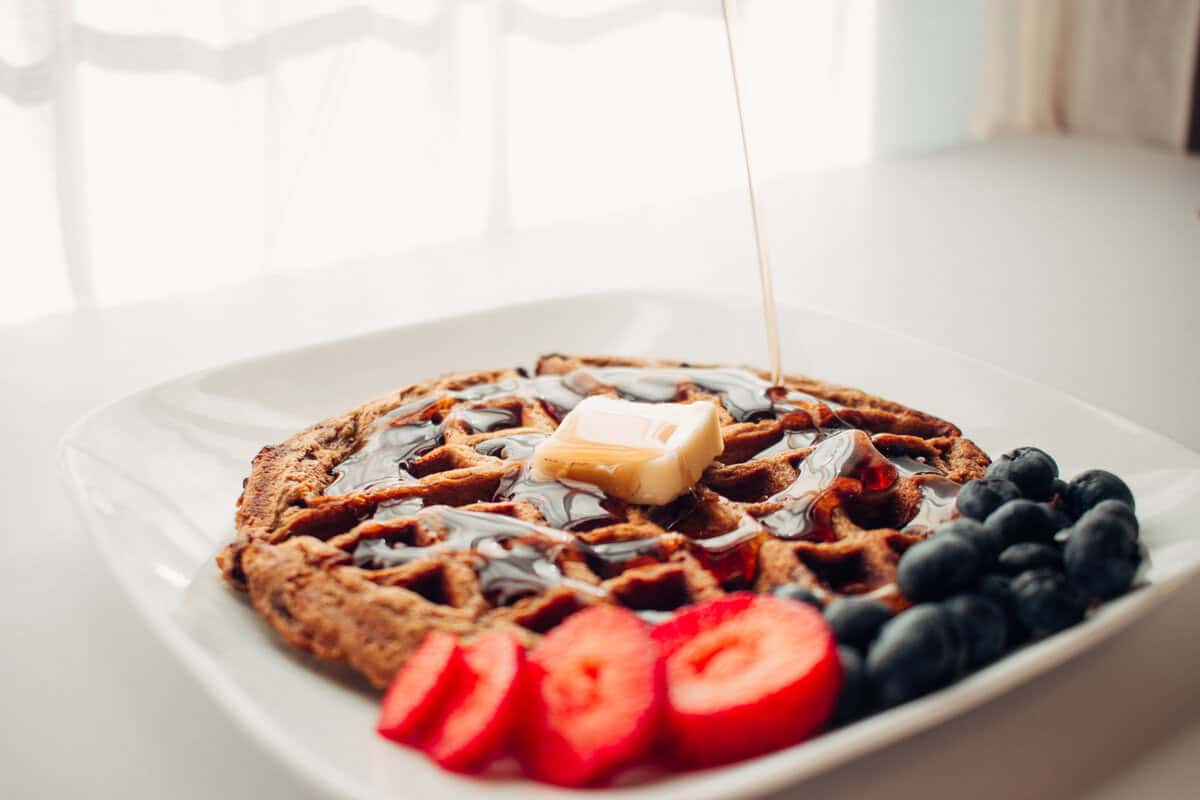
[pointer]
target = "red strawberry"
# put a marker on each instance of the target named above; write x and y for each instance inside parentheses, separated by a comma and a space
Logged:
(746, 674)
(595, 691)
(476, 716)
(418, 688)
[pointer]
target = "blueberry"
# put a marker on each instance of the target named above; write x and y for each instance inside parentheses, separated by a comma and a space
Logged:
(1031, 469)
(986, 541)
(1109, 508)
(998, 589)
(1024, 521)
(856, 621)
(1025, 556)
(1102, 554)
(1091, 487)
(1030, 452)
(1118, 509)
(1000, 469)
(854, 697)
(1060, 488)
(799, 593)
(917, 651)
(981, 497)
(1061, 518)
(982, 624)
(1047, 602)
(938, 567)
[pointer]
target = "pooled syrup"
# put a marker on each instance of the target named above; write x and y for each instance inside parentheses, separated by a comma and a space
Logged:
(512, 558)
(744, 395)
(610, 558)
(384, 460)
(732, 557)
(937, 505)
(568, 505)
(518, 447)
(397, 509)
(486, 420)
(791, 440)
(907, 465)
(554, 394)
(848, 454)
(510, 571)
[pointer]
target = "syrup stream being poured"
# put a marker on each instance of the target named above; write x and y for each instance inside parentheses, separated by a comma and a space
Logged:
(729, 10)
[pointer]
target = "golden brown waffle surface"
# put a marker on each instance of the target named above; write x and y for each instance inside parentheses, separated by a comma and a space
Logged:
(417, 511)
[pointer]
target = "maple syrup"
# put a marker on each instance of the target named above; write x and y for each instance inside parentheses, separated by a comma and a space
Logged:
(397, 509)
(482, 391)
(745, 396)
(848, 454)
(907, 465)
(518, 447)
(486, 420)
(611, 558)
(512, 558)
(553, 392)
(731, 557)
(510, 571)
(791, 440)
(564, 504)
(632, 383)
(729, 13)
(378, 554)
(385, 458)
(937, 505)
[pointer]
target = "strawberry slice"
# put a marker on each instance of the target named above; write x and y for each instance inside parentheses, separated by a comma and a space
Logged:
(418, 688)
(746, 674)
(595, 691)
(475, 718)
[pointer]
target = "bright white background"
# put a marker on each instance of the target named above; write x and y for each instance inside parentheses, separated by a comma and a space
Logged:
(156, 147)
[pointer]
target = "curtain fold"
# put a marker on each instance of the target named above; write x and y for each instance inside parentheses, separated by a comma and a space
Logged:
(1119, 69)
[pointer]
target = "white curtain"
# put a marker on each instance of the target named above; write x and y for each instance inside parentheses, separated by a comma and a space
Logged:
(1119, 69)
(150, 147)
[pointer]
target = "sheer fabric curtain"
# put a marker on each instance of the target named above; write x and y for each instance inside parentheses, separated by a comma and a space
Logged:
(163, 146)
(1118, 69)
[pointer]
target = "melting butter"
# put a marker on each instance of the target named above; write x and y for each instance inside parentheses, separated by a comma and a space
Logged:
(647, 453)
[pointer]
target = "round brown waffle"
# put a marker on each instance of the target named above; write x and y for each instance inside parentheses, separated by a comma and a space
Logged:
(416, 512)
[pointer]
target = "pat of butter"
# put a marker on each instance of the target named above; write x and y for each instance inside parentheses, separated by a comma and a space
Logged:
(641, 452)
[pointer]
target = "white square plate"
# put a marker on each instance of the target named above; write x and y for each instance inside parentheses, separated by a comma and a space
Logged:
(157, 473)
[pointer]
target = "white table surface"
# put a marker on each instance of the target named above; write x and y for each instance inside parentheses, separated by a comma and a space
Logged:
(1072, 262)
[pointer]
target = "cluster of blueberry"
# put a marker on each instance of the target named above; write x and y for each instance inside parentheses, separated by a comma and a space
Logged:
(1026, 557)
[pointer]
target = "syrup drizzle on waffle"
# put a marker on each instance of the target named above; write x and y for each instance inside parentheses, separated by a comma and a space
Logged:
(362, 533)
(514, 558)
(846, 454)
(387, 455)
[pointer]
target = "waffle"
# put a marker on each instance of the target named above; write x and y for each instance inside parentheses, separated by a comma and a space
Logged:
(418, 511)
